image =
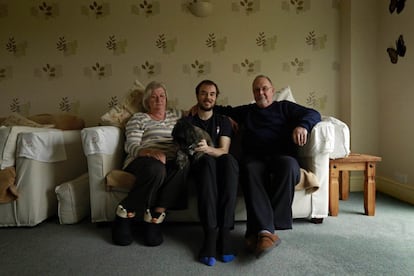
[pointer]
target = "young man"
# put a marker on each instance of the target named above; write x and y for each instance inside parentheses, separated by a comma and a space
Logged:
(215, 175)
(271, 133)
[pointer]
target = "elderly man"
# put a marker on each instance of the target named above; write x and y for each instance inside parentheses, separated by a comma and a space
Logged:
(272, 131)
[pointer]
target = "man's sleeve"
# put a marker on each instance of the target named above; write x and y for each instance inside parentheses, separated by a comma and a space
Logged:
(237, 113)
(225, 127)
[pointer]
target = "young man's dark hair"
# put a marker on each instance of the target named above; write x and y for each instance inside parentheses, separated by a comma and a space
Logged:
(207, 82)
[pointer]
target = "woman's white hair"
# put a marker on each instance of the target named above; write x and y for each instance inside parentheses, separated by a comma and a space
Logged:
(148, 90)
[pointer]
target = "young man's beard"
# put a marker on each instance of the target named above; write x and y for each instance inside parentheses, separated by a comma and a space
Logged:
(205, 108)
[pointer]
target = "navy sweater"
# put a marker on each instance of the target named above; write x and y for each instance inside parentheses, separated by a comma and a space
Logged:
(268, 131)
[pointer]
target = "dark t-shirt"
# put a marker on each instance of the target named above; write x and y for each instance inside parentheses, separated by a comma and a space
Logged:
(218, 125)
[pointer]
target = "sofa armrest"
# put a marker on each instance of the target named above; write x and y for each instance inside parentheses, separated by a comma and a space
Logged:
(8, 142)
(320, 140)
(341, 146)
(103, 147)
(314, 156)
(38, 175)
(102, 139)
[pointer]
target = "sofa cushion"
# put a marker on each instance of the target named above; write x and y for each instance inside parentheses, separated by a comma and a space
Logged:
(63, 121)
(16, 119)
(284, 94)
(118, 115)
(73, 200)
(119, 180)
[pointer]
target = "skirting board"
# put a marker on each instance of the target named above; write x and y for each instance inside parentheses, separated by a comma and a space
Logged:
(403, 192)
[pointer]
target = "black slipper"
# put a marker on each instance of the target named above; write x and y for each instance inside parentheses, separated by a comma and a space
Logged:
(153, 234)
(121, 231)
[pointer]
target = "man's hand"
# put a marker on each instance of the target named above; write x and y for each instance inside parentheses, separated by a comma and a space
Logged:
(300, 136)
(202, 146)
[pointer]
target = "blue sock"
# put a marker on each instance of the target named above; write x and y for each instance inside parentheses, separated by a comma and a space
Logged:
(225, 246)
(227, 258)
(209, 247)
(210, 261)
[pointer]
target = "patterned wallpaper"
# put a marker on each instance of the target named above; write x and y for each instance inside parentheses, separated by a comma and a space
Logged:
(82, 56)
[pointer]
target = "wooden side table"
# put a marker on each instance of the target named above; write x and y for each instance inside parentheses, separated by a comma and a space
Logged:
(339, 180)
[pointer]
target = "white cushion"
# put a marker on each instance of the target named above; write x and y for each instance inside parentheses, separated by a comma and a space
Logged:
(73, 200)
(118, 115)
(284, 94)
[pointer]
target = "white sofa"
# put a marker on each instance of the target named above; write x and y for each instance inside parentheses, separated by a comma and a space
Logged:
(103, 147)
(43, 158)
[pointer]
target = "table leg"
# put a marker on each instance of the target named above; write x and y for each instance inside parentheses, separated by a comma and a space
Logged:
(369, 189)
(344, 185)
(333, 190)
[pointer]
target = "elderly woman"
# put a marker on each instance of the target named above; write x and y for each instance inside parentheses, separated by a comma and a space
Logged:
(151, 158)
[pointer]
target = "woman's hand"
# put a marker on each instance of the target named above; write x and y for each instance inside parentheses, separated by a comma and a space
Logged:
(156, 154)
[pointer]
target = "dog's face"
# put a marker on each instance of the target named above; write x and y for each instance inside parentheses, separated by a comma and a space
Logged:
(185, 136)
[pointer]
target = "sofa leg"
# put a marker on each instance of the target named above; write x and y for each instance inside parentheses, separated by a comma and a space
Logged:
(316, 220)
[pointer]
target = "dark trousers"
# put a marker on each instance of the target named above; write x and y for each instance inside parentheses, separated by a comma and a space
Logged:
(269, 185)
(216, 181)
(157, 185)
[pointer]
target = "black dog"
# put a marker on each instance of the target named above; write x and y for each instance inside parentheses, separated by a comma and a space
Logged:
(186, 136)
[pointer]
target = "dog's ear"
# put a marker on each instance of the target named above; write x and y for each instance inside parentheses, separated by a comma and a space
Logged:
(183, 133)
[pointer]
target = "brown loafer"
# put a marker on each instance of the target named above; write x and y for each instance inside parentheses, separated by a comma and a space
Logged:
(265, 243)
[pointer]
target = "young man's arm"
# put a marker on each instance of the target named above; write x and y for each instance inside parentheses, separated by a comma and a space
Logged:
(224, 131)
(223, 147)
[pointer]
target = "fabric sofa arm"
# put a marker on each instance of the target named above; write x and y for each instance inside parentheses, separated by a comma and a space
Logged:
(104, 150)
(45, 146)
(102, 139)
(8, 142)
(320, 140)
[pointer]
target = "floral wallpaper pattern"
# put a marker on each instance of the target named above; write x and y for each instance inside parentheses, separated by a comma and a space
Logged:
(82, 56)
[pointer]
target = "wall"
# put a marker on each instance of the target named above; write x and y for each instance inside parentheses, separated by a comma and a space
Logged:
(396, 98)
(82, 56)
(376, 94)
(359, 94)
